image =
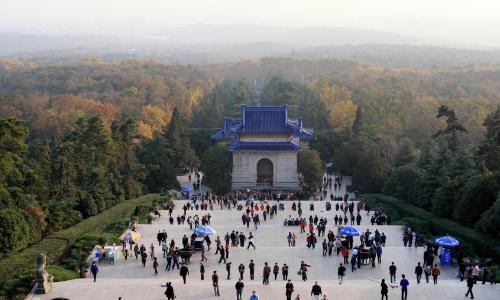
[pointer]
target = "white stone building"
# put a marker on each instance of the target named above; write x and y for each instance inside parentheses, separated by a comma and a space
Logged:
(264, 143)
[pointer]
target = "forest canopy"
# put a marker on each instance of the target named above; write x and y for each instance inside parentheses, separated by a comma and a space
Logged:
(77, 139)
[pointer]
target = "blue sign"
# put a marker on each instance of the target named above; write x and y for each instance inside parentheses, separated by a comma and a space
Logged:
(446, 257)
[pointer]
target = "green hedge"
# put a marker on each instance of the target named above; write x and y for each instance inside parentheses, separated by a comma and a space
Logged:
(23, 263)
(484, 246)
(76, 256)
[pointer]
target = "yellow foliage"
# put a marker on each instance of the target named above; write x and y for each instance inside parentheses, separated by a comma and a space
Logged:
(144, 130)
(342, 115)
(154, 117)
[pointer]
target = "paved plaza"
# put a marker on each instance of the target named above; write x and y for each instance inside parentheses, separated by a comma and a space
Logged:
(130, 280)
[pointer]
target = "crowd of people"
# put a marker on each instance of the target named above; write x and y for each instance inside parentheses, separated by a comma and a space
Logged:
(359, 253)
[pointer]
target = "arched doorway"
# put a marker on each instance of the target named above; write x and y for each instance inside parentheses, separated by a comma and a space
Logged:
(264, 172)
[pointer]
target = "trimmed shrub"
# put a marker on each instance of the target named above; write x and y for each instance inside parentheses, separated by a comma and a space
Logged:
(54, 246)
(62, 274)
(484, 246)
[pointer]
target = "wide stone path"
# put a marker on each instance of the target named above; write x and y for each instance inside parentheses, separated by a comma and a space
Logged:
(130, 280)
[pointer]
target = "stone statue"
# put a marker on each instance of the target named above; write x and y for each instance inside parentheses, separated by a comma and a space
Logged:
(43, 278)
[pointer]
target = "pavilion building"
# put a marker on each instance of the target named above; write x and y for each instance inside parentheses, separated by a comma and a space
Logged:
(264, 143)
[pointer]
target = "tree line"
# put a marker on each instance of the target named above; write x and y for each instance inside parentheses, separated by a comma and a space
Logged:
(77, 139)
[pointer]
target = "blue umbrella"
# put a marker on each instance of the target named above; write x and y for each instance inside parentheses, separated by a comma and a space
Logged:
(350, 231)
(447, 241)
(204, 230)
(186, 189)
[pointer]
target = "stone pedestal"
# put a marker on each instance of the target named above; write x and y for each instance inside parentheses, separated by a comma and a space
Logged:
(43, 285)
(43, 279)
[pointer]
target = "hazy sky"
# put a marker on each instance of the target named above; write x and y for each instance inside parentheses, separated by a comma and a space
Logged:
(473, 22)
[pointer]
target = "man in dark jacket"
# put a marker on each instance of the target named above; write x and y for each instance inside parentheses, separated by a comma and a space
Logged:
(289, 290)
(184, 271)
(316, 291)
(418, 272)
(239, 289)
(251, 267)
(265, 274)
(470, 284)
(94, 270)
(169, 292)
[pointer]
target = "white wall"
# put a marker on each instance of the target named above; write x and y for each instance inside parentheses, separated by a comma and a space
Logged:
(284, 169)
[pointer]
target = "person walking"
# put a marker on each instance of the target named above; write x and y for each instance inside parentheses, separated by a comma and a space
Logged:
(493, 274)
(202, 271)
(353, 263)
(215, 283)
(303, 270)
(184, 271)
(222, 254)
(384, 290)
(203, 257)
(418, 272)
(144, 257)
(94, 270)
(175, 259)
(251, 268)
(341, 273)
(136, 251)
(239, 289)
(169, 292)
(155, 266)
(276, 271)
(427, 273)
(316, 291)
(284, 271)
(404, 283)
(152, 251)
(289, 290)
(250, 241)
(241, 270)
(435, 273)
(265, 274)
(392, 272)
(345, 254)
(470, 284)
(228, 270)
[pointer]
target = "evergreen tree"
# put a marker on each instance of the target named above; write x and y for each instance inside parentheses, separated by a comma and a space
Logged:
(402, 182)
(445, 198)
(370, 170)
(406, 153)
(356, 126)
(217, 166)
(489, 150)
(159, 173)
(178, 141)
(490, 220)
(310, 170)
(453, 127)
(13, 133)
(125, 138)
(476, 197)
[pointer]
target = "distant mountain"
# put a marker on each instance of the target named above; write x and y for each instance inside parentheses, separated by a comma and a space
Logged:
(206, 44)
(403, 56)
(304, 37)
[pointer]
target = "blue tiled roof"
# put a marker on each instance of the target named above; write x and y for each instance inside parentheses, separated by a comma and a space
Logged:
(267, 120)
(272, 146)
